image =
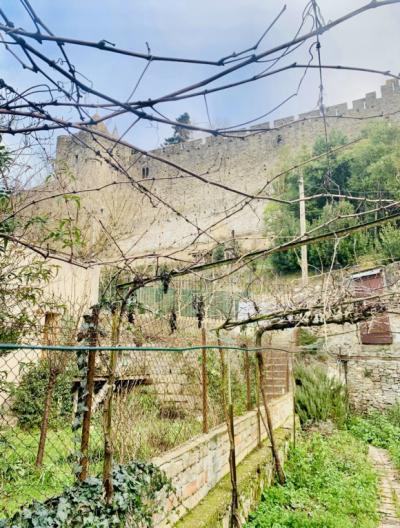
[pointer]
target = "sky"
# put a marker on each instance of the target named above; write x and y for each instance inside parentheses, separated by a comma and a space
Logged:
(211, 29)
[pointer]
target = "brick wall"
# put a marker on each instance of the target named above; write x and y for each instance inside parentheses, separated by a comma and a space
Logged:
(198, 465)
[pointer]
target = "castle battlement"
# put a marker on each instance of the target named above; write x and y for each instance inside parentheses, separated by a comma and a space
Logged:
(245, 163)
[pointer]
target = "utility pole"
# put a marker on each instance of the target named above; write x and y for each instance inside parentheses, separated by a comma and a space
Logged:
(304, 259)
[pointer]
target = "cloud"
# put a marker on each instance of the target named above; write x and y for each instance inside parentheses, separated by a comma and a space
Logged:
(211, 29)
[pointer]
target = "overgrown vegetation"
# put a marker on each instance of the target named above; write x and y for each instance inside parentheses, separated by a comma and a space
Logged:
(143, 428)
(381, 429)
(141, 432)
(30, 394)
(330, 484)
(369, 168)
(83, 505)
(319, 397)
(21, 481)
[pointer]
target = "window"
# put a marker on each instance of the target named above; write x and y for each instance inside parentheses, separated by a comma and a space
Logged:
(145, 172)
(375, 331)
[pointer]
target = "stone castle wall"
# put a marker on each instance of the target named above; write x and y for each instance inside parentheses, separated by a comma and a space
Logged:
(246, 164)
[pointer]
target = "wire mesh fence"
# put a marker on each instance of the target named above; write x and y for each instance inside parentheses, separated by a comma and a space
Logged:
(160, 399)
(129, 380)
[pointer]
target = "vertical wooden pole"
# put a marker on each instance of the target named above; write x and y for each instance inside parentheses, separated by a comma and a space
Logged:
(87, 416)
(258, 405)
(247, 376)
(232, 464)
(274, 448)
(204, 378)
(50, 338)
(107, 427)
(232, 451)
(229, 419)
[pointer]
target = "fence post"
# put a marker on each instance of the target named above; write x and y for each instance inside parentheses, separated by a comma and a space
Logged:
(87, 416)
(107, 413)
(275, 452)
(204, 378)
(55, 367)
(228, 413)
(258, 404)
(108, 446)
(247, 376)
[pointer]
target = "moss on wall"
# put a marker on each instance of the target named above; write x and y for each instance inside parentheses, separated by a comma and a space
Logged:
(254, 474)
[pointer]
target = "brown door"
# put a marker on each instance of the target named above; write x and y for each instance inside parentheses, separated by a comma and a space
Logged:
(375, 331)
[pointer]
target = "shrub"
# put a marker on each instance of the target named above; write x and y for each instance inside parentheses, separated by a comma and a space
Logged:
(319, 397)
(330, 484)
(218, 253)
(29, 396)
(390, 242)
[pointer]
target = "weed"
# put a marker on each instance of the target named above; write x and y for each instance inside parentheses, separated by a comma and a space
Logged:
(330, 484)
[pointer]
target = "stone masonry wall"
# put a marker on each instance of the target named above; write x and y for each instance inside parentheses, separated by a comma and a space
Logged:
(246, 164)
(198, 465)
(370, 371)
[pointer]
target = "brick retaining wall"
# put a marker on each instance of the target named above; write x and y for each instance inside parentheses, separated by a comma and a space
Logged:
(198, 465)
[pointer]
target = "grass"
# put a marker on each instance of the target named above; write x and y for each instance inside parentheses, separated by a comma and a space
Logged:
(137, 437)
(330, 484)
(21, 481)
(379, 429)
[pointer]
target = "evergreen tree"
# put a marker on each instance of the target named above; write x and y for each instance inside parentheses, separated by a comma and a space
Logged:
(181, 134)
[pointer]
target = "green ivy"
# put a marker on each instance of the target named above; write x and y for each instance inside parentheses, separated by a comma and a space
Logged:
(136, 487)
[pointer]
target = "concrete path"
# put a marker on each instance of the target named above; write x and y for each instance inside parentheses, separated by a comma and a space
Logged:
(389, 488)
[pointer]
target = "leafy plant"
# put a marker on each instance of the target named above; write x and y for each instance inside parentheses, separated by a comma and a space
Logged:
(135, 491)
(218, 253)
(330, 484)
(390, 242)
(381, 429)
(305, 337)
(29, 395)
(319, 397)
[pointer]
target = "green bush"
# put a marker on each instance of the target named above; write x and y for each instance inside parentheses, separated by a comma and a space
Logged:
(305, 337)
(318, 397)
(218, 253)
(389, 244)
(29, 396)
(329, 484)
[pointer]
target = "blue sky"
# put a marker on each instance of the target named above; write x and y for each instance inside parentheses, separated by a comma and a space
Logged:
(211, 29)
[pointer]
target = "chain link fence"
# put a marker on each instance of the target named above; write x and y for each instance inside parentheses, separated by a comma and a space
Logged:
(161, 398)
(147, 378)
